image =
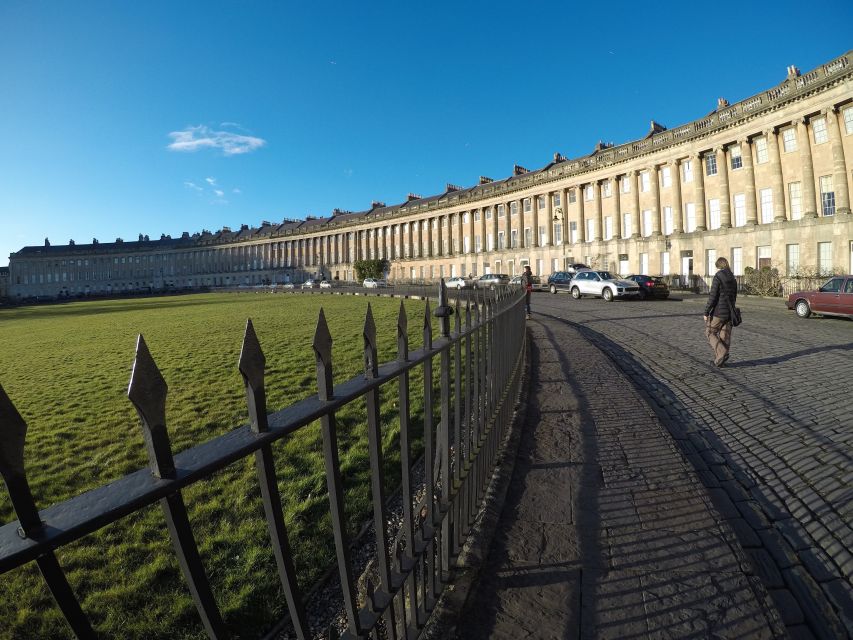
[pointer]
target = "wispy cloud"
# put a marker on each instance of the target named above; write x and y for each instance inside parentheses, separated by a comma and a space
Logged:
(202, 137)
(236, 190)
(219, 193)
(192, 185)
(211, 181)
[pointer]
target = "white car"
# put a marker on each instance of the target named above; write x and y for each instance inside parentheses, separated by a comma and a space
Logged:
(457, 282)
(325, 284)
(309, 284)
(604, 285)
(373, 283)
(289, 285)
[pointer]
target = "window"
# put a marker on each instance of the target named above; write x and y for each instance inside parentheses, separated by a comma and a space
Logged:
(540, 203)
(573, 232)
(644, 263)
(763, 258)
(543, 236)
(711, 164)
(501, 237)
(645, 183)
(590, 230)
(710, 260)
(573, 196)
(489, 213)
(606, 189)
(789, 139)
(464, 218)
(666, 177)
(687, 168)
(501, 210)
(792, 253)
(558, 233)
(668, 226)
(513, 238)
(608, 228)
(824, 258)
(478, 245)
(761, 150)
(691, 217)
(626, 182)
(714, 213)
(848, 120)
(466, 244)
(528, 236)
(557, 199)
(490, 242)
(796, 200)
(737, 261)
(513, 208)
(476, 215)
(527, 205)
(737, 159)
(827, 196)
(664, 263)
(766, 205)
(647, 223)
(587, 192)
(819, 129)
(626, 225)
(740, 210)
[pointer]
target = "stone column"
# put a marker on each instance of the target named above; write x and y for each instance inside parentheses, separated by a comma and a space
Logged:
(677, 206)
(521, 219)
(699, 190)
(599, 211)
(495, 226)
(616, 186)
(776, 175)
(654, 177)
(749, 193)
(725, 197)
(429, 223)
(808, 185)
(534, 205)
(635, 197)
(549, 212)
(839, 168)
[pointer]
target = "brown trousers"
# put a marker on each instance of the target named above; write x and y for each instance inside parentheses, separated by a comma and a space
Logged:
(719, 334)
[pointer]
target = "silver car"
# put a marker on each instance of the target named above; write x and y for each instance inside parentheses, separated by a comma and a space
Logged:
(604, 285)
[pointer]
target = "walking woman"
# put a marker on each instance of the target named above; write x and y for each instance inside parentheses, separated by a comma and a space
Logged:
(719, 310)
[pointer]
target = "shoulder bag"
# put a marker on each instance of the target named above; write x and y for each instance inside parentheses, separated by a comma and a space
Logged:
(734, 313)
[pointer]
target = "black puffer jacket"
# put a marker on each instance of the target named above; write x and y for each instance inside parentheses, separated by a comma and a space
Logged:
(723, 286)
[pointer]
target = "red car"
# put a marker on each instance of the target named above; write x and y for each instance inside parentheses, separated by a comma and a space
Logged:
(835, 298)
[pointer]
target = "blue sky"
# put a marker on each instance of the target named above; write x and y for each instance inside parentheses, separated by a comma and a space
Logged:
(121, 118)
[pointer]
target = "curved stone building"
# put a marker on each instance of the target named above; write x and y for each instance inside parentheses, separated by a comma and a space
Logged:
(765, 181)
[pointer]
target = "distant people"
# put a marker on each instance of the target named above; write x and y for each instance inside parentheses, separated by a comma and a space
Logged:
(527, 283)
(718, 312)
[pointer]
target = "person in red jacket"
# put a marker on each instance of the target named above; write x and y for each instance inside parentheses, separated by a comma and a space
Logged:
(719, 310)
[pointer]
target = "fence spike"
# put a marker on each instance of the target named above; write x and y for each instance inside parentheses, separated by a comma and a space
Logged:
(251, 365)
(323, 353)
(13, 434)
(147, 391)
(402, 334)
(371, 367)
(427, 327)
(458, 320)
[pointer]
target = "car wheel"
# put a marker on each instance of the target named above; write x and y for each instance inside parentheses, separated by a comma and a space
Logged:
(802, 308)
(552, 289)
(607, 294)
(576, 293)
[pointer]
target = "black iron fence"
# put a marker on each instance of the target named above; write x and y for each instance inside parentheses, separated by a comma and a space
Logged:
(479, 364)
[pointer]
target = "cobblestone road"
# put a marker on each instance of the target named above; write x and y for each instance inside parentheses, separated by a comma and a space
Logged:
(770, 436)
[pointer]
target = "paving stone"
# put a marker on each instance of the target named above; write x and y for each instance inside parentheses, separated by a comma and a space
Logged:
(786, 605)
(746, 535)
(818, 564)
(840, 594)
(819, 614)
(765, 568)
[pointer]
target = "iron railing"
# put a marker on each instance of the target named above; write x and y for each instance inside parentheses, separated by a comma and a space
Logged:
(479, 363)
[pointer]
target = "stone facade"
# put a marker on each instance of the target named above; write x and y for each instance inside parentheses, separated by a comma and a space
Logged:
(4, 282)
(765, 181)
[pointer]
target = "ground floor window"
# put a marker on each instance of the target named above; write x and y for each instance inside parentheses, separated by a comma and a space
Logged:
(792, 262)
(763, 257)
(824, 258)
(664, 263)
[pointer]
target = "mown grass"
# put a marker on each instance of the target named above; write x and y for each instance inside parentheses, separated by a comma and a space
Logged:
(67, 367)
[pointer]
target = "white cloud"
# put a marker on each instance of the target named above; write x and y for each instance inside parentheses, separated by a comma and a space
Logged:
(202, 137)
(210, 181)
(235, 190)
(219, 193)
(192, 185)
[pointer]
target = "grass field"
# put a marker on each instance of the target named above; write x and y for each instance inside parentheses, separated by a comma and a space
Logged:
(66, 368)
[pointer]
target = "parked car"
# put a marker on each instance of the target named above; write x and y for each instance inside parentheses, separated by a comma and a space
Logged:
(289, 285)
(577, 266)
(834, 298)
(537, 282)
(309, 284)
(491, 280)
(560, 281)
(325, 284)
(457, 282)
(603, 284)
(373, 283)
(651, 287)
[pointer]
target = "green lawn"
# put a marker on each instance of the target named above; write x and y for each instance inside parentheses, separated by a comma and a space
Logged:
(66, 368)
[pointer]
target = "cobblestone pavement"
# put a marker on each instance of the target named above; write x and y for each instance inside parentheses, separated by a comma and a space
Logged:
(770, 436)
(606, 530)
